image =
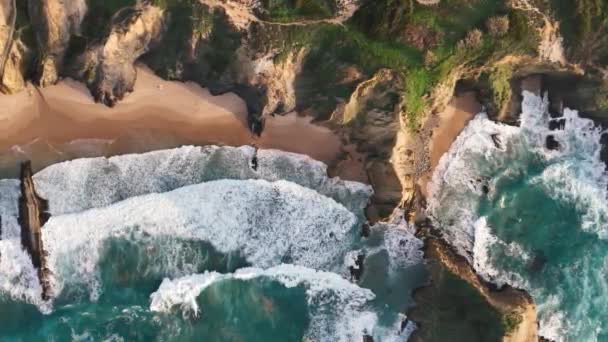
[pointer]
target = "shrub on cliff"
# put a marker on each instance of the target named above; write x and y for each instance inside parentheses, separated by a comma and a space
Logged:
(498, 26)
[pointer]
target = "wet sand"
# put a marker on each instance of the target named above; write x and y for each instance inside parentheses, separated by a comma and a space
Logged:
(63, 122)
(461, 109)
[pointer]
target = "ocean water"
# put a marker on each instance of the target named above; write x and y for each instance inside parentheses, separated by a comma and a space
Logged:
(532, 217)
(196, 244)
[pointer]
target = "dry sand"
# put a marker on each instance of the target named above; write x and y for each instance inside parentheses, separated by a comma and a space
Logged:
(461, 109)
(158, 114)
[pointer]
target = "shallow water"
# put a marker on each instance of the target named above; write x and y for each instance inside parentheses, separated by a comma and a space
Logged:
(195, 244)
(532, 217)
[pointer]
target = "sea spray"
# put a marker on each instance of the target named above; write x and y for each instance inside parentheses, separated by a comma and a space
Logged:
(339, 310)
(117, 232)
(266, 222)
(532, 216)
(87, 183)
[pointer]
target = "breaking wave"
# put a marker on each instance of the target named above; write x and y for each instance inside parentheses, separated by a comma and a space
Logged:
(82, 184)
(120, 225)
(266, 222)
(528, 206)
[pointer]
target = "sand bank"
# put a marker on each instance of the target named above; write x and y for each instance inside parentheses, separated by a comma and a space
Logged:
(63, 122)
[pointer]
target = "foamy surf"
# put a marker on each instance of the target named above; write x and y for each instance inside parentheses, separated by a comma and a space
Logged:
(266, 222)
(531, 216)
(121, 224)
(86, 183)
(339, 309)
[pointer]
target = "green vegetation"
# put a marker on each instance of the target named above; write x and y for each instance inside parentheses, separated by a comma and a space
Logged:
(215, 42)
(449, 35)
(584, 25)
(500, 84)
(452, 310)
(294, 10)
(511, 321)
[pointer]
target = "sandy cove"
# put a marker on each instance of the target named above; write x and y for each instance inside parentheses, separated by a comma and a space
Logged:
(162, 113)
(448, 124)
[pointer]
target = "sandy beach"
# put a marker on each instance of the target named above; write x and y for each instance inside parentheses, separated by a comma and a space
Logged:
(63, 122)
(461, 109)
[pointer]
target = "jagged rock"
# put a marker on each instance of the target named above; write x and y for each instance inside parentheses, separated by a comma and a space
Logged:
(19, 58)
(366, 230)
(33, 214)
(15, 56)
(559, 124)
(496, 140)
(54, 22)
(551, 143)
(8, 15)
(108, 67)
(372, 121)
(604, 150)
(356, 271)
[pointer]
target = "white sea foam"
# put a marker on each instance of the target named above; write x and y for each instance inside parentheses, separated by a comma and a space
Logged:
(265, 222)
(9, 209)
(339, 310)
(18, 278)
(573, 174)
(82, 184)
(403, 248)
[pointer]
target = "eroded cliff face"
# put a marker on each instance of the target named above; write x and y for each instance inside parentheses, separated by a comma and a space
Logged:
(15, 55)
(54, 22)
(371, 121)
(108, 67)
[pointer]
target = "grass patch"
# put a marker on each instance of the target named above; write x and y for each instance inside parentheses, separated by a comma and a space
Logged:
(296, 10)
(511, 321)
(500, 83)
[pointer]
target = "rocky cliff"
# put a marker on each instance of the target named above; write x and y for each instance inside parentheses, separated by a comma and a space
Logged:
(378, 72)
(108, 66)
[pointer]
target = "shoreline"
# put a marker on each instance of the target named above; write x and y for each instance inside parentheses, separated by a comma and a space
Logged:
(47, 126)
(157, 114)
(508, 301)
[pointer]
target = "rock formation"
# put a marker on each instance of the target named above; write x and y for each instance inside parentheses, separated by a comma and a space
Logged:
(15, 55)
(516, 306)
(54, 22)
(108, 67)
(8, 17)
(33, 214)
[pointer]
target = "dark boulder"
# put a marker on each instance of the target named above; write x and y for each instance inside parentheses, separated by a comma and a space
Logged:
(551, 143)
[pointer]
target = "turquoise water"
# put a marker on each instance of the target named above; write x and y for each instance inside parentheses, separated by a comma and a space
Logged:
(183, 259)
(531, 217)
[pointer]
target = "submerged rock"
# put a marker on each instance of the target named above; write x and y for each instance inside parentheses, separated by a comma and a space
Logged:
(551, 143)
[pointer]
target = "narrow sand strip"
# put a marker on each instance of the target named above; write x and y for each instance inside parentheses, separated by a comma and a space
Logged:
(158, 114)
(461, 109)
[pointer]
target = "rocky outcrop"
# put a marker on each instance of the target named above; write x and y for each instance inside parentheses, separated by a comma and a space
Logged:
(8, 17)
(33, 214)
(15, 55)
(54, 22)
(371, 120)
(516, 307)
(108, 67)
(17, 65)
